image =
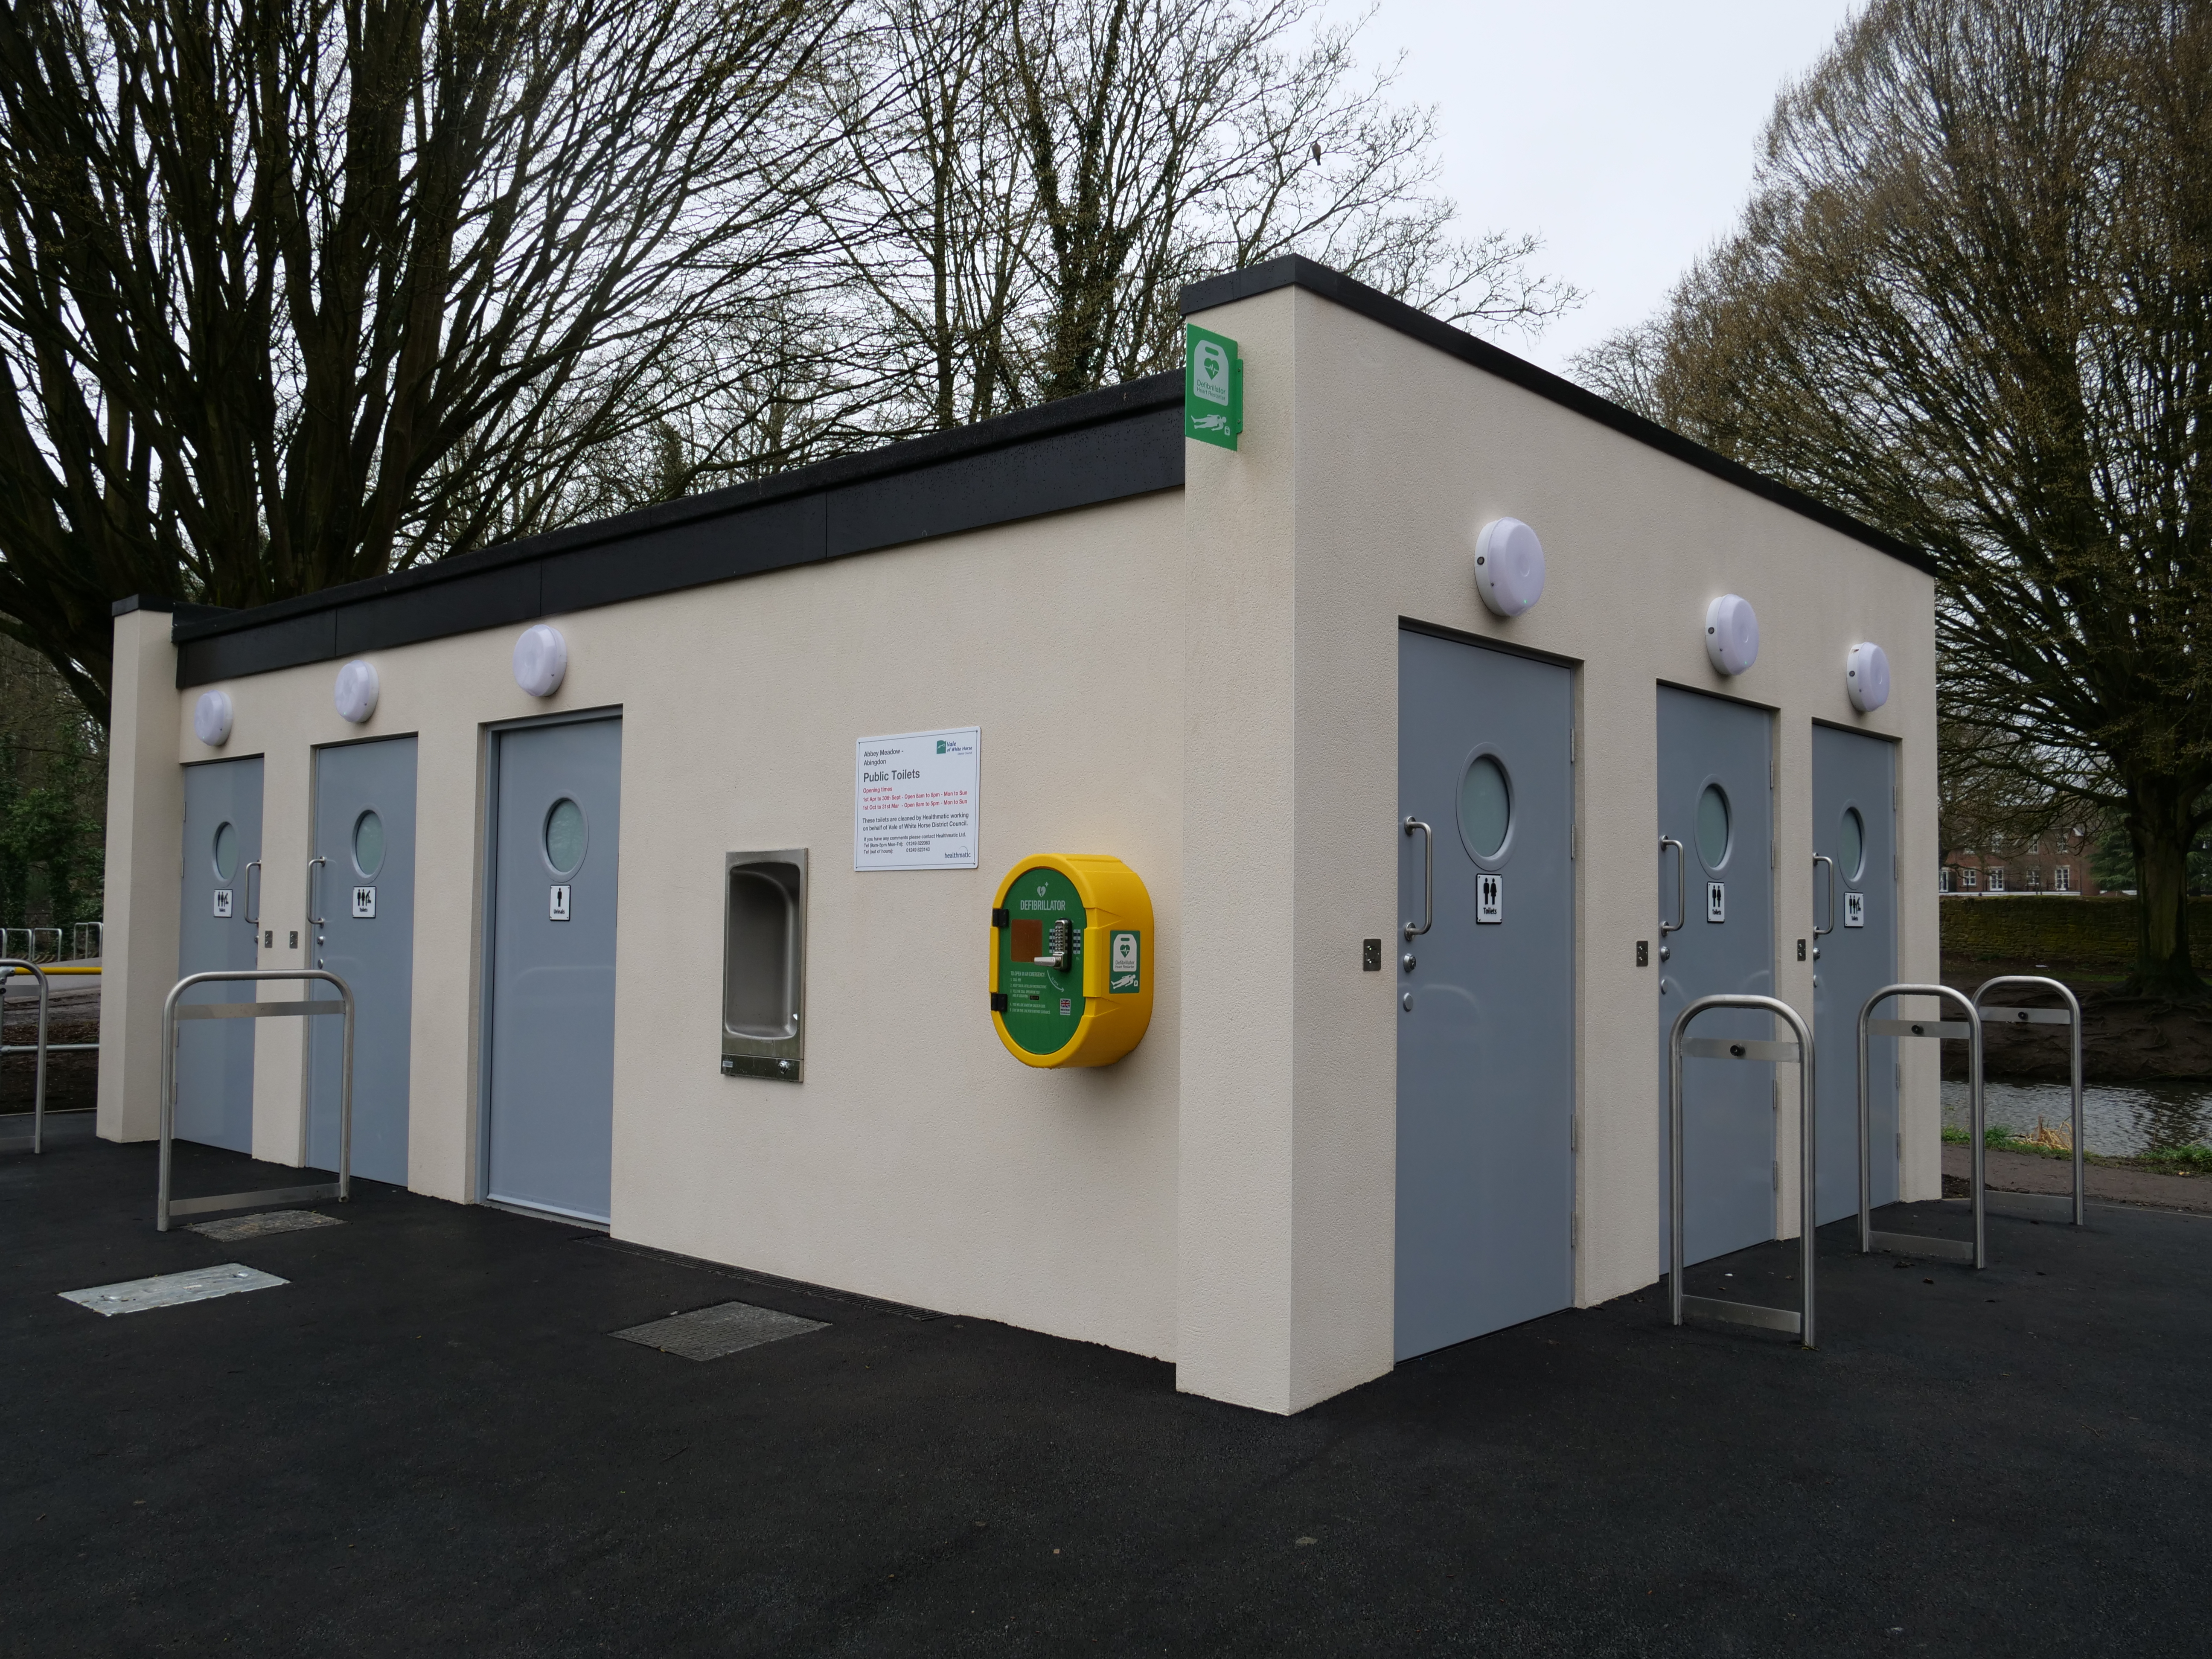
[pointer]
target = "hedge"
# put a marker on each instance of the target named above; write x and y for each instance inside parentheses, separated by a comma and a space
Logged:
(2075, 933)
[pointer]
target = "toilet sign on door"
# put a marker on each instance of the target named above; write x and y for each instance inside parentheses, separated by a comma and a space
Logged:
(1716, 900)
(364, 903)
(1489, 897)
(1854, 910)
(556, 907)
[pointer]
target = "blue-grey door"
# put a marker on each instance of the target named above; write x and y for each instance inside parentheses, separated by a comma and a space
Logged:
(556, 829)
(1486, 1007)
(363, 930)
(1855, 823)
(1716, 881)
(222, 897)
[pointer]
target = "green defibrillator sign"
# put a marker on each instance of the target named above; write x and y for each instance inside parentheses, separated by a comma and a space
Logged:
(1124, 972)
(1213, 388)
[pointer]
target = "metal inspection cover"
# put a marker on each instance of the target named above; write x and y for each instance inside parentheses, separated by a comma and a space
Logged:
(172, 1290)
(260, 1226)
(710, 1333)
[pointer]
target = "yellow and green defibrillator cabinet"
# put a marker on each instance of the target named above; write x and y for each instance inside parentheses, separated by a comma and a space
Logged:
(1070, 960)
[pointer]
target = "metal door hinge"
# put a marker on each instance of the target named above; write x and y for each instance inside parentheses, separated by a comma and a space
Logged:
(1575, 1132)
(1574, 841)
(1777, 1175)
(1570, 745)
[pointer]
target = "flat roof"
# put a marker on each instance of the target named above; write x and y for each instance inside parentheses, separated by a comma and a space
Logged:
(1101, 446)
(1291, 270)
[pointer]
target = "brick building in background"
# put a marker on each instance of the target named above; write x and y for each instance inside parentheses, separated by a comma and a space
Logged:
(2053, 862)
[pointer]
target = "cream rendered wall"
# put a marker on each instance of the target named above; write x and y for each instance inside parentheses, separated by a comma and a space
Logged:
(919, 1161)
(1368, 463)
(145, 856)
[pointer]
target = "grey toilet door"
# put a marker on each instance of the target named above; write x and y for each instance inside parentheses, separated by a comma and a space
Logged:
(221, 898)
(364, 897)
(1716, 800)
(1855, 823)
(1486, 1008)
(556, 832)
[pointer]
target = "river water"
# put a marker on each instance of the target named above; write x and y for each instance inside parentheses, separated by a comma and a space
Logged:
(2118, 1120)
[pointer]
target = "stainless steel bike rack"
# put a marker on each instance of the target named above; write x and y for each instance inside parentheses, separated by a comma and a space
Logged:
(342, 1188)
(1799, 1324)
(10, 964)
(2070, 1016)
(1950, 1249)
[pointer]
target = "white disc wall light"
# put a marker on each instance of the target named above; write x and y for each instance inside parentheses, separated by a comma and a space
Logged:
(1731, 633)
(541, 661)
(355, 692)
(1508, 567)
(1866, 676)
(211, 717)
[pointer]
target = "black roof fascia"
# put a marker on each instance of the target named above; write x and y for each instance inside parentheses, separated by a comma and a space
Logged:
(1293, 270)
(1077, 452)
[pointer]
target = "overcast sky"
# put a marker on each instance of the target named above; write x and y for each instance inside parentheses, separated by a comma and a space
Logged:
(1622, 131)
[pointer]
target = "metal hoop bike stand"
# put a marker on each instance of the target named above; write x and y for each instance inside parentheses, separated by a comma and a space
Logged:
(342, 1188)
(37, 1089)
(1800, 1323)
(1951, 1250)
(2070, 1016)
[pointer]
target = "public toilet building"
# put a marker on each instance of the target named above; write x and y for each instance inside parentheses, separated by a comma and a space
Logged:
(1226, 904)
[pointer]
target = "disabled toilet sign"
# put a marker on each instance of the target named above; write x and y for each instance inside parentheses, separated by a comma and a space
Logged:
(1489, 897)
(1854, 910)
(364, 904)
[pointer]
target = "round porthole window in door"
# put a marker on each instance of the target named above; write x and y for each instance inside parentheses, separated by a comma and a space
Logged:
(226, 852)
(1713, 826)
(367, 843)
(564, 836)
(1485, 807)
(1853, 850)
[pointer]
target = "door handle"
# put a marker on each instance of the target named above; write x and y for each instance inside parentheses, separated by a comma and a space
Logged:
(315, 903)
(1822, 858)
(253, 910)
(1681, 887)
(1428, 876)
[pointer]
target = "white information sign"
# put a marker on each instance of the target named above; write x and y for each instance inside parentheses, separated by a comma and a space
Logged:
(915, 805)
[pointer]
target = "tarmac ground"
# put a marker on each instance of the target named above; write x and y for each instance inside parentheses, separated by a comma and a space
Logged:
(427, 1442)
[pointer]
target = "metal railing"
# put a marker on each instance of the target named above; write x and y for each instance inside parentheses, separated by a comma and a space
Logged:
(1950, 1249)
(1800, 1323)
(2069, 1016)
(47, 944)
(342, 1188)
(12, 965)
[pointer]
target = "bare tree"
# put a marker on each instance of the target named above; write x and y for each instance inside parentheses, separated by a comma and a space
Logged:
(1039, 178)
(295, 292)
(1971, 301)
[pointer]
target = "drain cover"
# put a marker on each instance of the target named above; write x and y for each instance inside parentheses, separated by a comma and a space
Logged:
(710, 1333)
(171, 1290)
(260, 1226)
